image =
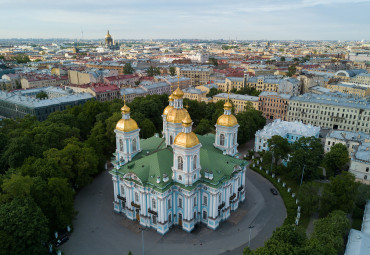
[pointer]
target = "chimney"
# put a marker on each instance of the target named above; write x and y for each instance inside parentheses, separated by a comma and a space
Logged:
(158, 179)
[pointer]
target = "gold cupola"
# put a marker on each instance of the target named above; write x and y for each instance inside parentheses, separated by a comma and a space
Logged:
(178, 113)
(168, 107)
(108, 35)
(227, 119)
(126, 124)
(186, 138)
(178, 93)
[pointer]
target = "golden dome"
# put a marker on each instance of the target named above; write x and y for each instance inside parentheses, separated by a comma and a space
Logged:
(126, 125)
(125, 109)
(227, 120)
(228, 106)
(167, 109)
(186, 140)
(178, 93)
(108, 35)
(177, 115)
(170, 98)
(187, 121)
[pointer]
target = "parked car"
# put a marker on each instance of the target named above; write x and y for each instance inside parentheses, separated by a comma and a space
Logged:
(274, 191)
(61, 240)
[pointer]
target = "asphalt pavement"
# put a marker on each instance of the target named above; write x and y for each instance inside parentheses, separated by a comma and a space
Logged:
(98, 230)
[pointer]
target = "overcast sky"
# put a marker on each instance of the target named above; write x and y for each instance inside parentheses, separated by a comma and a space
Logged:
(172, 19)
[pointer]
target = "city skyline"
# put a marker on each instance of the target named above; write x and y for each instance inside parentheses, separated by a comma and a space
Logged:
(242, 20)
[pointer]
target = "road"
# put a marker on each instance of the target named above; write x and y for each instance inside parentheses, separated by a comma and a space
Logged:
(98, 230)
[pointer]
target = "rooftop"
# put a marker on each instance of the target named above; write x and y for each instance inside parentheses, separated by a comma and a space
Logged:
(282, 128)
(237, 97)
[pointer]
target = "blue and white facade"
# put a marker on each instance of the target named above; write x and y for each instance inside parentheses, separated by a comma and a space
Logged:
(292, 131)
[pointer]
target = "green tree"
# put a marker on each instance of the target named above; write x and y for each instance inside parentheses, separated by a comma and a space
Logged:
(23, 228)
(147, 128)
(336, 158)
(292, 70)
(17, 186)
(41, 95)
(250, 121)
(308, 196)
(339, 194)
(279, 148)
(203, 128)
(213, 91)
(172, 71)
(307, 152)
(363, 194)
(213, 61)
(17, 150)
(282, 59)
(128, 69)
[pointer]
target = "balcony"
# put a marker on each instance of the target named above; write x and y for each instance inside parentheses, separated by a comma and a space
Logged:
(121, 198)
(221, 206)
(135, 205)
(240, 188)
(152, 212)
(233, 197)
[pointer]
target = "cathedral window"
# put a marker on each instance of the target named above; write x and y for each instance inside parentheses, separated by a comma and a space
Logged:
(204, 215)
(180, 163)
(154, 219)
(171, 140)
(134, 145)
(169, 218)
(219, 198)
(195, 201)
(180, 202)
(122, 191)
(195, 162)
(120, 145)
(136, 197)
(205, 200)
(222, 139)
(180, 178)
(169, 204)
(153, 204)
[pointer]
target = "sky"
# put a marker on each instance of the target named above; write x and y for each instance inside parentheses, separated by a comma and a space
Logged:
(190, 19)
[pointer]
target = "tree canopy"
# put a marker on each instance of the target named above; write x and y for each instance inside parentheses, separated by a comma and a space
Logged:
(336, 158)
(128, 69)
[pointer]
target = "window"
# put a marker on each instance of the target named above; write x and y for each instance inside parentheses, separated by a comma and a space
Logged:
(205, 200)
(219, 198)
(169, 203)
(171, 140)
(153, 204)
(222, 139)
(120, 145)
(180, 202)
(195, 201)
(195, 162)
(170, 218)
(122, 191)
(180, 178)
(367, 169)
(365, 177)
(231, 190)
(195, 215)
(180, 163)
(154, 219)
(136, 197)
(238, 182)
(204, 215)
(134, 145)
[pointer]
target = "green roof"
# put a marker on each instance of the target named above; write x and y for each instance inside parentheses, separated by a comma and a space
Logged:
(156, 159)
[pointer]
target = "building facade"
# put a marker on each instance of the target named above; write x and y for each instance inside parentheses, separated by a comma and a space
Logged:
(197, 75)
(183, 181)
(273, 105)
(335, 111)
(292, 131)
(240, 102)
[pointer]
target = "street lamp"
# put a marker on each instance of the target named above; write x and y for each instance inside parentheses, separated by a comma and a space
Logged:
(142, 238)
(302, 174)
(250, 231)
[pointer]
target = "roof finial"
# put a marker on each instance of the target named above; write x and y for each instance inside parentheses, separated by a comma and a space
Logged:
(124, 99)
(178, 80)
(228, 93)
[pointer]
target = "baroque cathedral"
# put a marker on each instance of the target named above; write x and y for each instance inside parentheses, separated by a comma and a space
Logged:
(180, 179)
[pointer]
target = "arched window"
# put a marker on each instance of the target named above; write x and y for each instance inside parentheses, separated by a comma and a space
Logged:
(180, 178)
(204, 215)
(180, 163)
(365, 177)
(234, 138)
(171, 140)
(195, 215)
(195, 162)
(120, 145)
(222, 139)
(169, 218)
(134, 144)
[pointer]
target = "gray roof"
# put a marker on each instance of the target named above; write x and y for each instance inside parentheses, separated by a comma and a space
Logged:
(193, 91)
(348, 135)
(268, 93)
(238, 97)
(338, 99)
(363, 153)
(127, 91)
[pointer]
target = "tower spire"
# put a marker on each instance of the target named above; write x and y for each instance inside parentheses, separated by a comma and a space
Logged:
(178, 80)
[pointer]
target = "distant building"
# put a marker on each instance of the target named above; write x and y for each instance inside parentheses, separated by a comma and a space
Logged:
(273, 105)
(350, 139)
(102, 92)
(39, 81)
(158, 88)
(360, 162)
(195, 94)
(359, 241)
(362, 78)
(123, 81)
(21, 103)
(89, 76)
(231, 83)
(292, 131)
(347, 75)
(197, 75)
(240, 102)
(349, 88)
(275, 84)
(131, 93)
(331, 110)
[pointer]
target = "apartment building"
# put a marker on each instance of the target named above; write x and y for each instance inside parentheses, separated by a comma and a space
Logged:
(39, 81)
(349, 88)
(197, 75)
(331, 110)
(240, 102)
(273, 105)
(348, 138)
(232, 83)
(195, 94)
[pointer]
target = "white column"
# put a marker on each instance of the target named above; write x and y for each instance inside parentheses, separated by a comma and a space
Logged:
(164, 210)
(115, 190)
(188, 209)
